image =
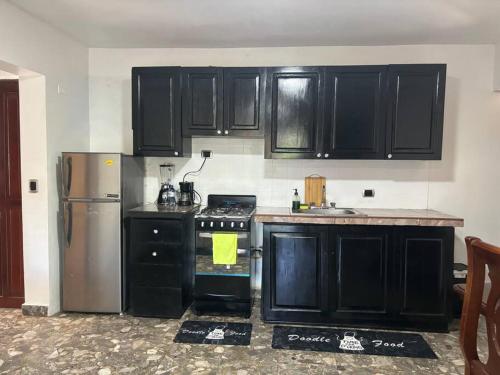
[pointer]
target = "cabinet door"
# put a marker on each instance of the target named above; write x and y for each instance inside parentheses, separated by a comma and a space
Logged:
(202, 93)
(244, 90)
(415, 111)
(425, 258)
(295, 285)
(295, 117)
(354, 124)
(156, 111)
(361, 262)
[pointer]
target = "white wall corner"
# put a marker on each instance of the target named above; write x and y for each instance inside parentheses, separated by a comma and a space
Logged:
(496, 69)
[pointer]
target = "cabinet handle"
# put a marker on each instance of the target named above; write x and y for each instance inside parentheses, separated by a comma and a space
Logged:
(318, 155)
(219, 132)
(226, 132)
(389, 156)
(176, 153)
(154, 253)
(327, 155)
(155, 231)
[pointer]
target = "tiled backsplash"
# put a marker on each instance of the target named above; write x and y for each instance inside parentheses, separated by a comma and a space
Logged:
(238, 167)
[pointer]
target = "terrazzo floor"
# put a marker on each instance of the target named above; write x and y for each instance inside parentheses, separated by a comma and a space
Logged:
(112, 344)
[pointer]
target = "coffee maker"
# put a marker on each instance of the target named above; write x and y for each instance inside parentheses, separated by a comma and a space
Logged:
(166, 196)
(186, 193)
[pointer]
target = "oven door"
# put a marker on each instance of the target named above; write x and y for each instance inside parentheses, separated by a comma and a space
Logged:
(204, 257)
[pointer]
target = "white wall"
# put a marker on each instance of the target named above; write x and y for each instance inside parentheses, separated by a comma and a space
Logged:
(50, 123)
(461, 184)
(496, 73)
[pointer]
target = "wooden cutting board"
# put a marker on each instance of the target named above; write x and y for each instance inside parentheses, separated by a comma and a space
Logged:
(313, 187)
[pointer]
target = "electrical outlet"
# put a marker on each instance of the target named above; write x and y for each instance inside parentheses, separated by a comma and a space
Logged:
(369, 193)
(206, 154)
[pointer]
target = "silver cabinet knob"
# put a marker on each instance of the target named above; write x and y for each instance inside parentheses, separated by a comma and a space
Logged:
(389, 156)
(176, 153)
(219, 132)
(318, 155)
(155, 231)
(226, 132)
(154, 253)
(327, 155)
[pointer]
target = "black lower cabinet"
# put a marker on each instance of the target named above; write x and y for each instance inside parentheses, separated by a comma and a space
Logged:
(295, 285)
(379, 276)
(159, 266)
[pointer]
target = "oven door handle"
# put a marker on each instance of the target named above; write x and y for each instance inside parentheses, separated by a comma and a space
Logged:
(209, 235)
(221, 295)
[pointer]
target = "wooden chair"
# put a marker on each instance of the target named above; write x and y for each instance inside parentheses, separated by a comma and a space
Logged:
(480, 254)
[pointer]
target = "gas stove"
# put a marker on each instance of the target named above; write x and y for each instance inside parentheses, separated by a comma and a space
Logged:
(227, 213)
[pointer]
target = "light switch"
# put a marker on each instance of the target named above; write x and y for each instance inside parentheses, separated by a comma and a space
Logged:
(33, 186)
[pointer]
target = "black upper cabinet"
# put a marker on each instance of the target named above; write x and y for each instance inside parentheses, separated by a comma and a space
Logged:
(244, 96)
(355, 127)
(415, 111)
(294, 112)
(202, 96)
(156, 112)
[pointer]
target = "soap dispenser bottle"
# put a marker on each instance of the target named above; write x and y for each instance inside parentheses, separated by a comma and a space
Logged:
(295, 201)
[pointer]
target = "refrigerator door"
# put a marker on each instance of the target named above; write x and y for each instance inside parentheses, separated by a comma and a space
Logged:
(91, 176)
(92, 257)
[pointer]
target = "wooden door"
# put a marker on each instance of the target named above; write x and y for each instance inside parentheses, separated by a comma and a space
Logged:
(361, 263)
(415, 111)
(244, 90)
(354, 124)
(202, 97)
(295, 102)
(156, 111)
(295, 273)
(11, 239)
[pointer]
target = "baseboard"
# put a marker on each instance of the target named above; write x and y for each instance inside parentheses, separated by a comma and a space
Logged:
(34, 310)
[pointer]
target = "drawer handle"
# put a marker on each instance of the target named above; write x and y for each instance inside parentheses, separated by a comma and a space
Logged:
(155, 231)
(154, 253)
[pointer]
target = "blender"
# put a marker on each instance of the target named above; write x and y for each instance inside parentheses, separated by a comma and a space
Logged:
(166, 196)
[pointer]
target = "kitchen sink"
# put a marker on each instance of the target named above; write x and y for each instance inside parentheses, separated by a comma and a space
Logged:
(328, 212)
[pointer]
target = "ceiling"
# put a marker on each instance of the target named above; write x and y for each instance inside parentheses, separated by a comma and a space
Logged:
(267, 23)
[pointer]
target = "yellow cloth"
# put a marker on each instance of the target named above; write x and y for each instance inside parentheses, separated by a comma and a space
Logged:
(225, 247)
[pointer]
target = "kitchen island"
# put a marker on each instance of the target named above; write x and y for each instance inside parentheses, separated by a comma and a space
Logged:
(379, 268)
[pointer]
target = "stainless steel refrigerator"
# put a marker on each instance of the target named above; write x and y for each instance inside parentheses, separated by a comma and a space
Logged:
(97, 189)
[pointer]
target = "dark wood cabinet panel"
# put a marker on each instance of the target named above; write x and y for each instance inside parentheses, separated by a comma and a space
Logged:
(244, 96)
(425, 259)
(202, 98)
(415, 111)
(159, 266)
(295, 103)
(354, 124)
(295, 272)
(362, 267)
(378, 276)
(156, 112)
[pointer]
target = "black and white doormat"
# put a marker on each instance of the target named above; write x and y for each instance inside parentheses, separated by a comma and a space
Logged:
(352, 341)
(219, 333)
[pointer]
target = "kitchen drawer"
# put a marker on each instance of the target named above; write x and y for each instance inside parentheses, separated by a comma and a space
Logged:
(156, 276)
(155, 253)
(222, 287)
(146, 230)
(156, 302)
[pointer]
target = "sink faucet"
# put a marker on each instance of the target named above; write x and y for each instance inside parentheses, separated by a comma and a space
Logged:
(333, 204)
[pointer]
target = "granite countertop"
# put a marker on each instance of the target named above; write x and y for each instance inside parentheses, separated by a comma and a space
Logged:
(369, 216)
(152, 210)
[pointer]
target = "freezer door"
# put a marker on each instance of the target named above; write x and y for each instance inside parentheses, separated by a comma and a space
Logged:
(92, 257)
(91, 176)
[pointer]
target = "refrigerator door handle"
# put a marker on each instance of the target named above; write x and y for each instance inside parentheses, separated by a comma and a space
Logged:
(69, 174)
(68, 224)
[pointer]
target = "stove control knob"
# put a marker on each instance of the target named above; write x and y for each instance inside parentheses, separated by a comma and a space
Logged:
(232, 224)
(242, 225)
(222, 224)
(211, 224)
(202, 224)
